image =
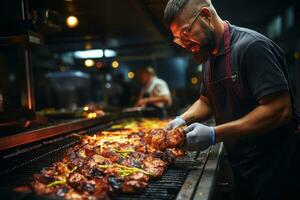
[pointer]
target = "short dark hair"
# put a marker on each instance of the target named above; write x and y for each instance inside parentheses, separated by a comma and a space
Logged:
(173, 8)
(149, 70)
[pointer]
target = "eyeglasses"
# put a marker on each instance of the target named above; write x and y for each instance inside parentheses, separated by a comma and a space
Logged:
(183, 38)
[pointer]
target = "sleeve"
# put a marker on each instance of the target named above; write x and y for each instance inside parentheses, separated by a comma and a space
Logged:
(263, 70)
(161, 89)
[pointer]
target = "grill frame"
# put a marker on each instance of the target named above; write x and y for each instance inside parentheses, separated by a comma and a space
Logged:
(192, 166)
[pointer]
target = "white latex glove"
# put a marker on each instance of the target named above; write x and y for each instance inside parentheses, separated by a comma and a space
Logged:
(175, 123)
(199, 137)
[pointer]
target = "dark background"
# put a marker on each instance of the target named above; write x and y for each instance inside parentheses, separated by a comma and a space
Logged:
(135, 30)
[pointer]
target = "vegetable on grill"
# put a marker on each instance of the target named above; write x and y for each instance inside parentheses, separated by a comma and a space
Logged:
(111, 161)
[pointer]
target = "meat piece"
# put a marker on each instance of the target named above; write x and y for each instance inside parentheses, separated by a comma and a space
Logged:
(61, 192)
(75, 195)
(135, 144)
(76, 162)
(82, 184)
(132, 162)
(48, 175)
(89, 140)
(155, 166)
(43, 178)
(89, 150)
(76, 180)
(138, 177)
(115, 182)
(177, 152)
(138, 155)
(81, 153)
(72, 154)
(89, 186)
(102, 195)
(132, 186)
(102, 187)
(156, 138)
(175, 138)
(111, 155)
(72, 194)
(85, 170)
(96, 173)
(135, 183)
(161, 139)
(42, 189)
(61, 168)
(101, 160)
(142, 147)
(50, 171)
(166, 156)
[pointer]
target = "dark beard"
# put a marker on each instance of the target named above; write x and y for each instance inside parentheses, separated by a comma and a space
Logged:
(208, 45)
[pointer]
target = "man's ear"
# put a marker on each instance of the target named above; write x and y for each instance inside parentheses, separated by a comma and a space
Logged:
(205, 13)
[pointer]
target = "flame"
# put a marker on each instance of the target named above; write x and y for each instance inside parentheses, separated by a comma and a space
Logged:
(92, 115)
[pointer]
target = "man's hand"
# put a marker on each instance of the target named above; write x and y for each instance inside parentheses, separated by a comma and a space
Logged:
(141, 103)
(175, 123)
(199, 137)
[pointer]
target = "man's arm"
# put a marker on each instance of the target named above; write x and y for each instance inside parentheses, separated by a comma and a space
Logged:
(274, 110)
(199, 111)
(166, 99)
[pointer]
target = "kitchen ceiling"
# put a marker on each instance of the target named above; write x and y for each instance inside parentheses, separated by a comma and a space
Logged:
(135, 26)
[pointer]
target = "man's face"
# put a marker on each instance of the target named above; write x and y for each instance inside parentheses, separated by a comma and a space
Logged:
(193, 32)
(145, 77)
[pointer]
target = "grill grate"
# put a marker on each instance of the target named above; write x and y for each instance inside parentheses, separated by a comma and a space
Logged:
(18, 170)
(165, 188)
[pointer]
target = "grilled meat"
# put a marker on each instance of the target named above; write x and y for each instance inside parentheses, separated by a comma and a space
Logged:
(175, 138)
(177, 152)
(134, 183)
(154, 166)
(108, 162)
(161, 139)
(41, 188)
(156, 138)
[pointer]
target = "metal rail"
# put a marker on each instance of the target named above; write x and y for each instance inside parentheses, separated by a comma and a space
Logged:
(54, 130)
(207, 183)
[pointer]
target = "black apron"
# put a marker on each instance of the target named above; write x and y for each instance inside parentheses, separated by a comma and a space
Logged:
(264, 166)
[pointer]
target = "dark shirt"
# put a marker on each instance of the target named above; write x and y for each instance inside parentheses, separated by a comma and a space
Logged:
(261, 163)
(261, 69)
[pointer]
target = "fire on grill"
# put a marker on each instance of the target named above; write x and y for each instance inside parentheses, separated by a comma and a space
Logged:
(109, 162)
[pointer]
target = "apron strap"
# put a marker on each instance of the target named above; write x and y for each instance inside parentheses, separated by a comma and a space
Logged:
(227, 49)
(232, 75)
(210, 61)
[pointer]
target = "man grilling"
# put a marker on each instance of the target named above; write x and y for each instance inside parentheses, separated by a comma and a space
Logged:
(246, 87)
(155, 92)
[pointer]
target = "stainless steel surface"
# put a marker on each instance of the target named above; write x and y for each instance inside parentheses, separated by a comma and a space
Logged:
(207, 181)
(189, 186)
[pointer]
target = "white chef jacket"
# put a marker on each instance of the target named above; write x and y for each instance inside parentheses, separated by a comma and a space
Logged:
(155, 88)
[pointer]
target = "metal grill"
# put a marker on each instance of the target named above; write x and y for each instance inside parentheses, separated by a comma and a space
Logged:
(17, 169)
